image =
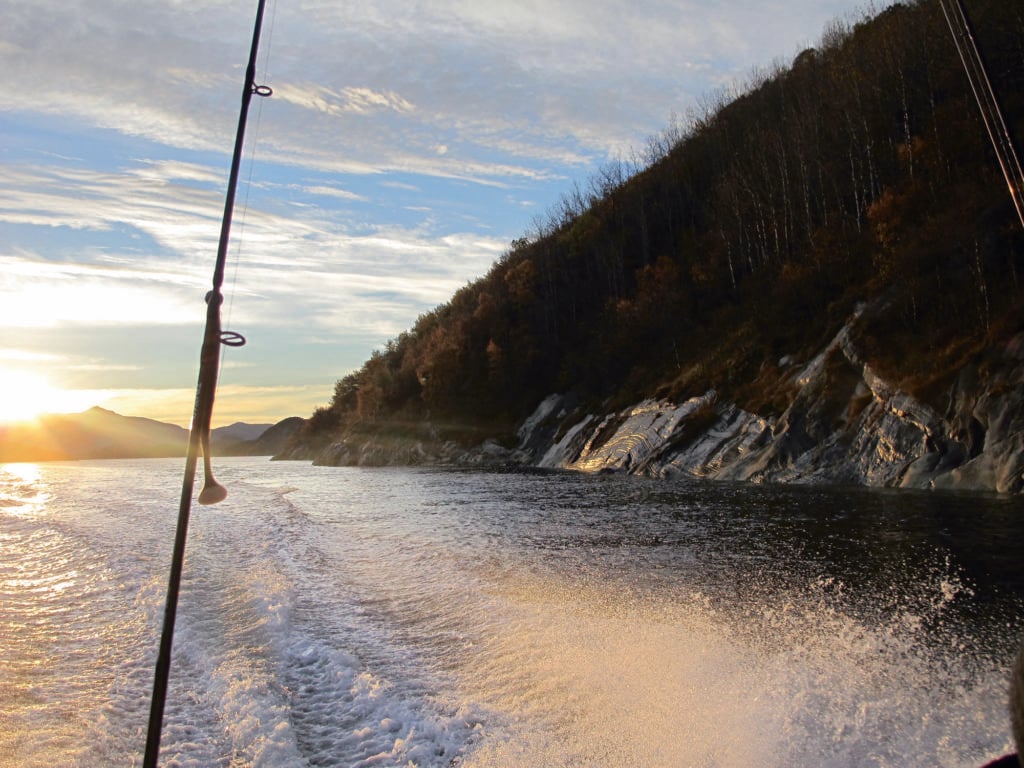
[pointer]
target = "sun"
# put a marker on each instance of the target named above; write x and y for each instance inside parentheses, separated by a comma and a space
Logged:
(25, 396)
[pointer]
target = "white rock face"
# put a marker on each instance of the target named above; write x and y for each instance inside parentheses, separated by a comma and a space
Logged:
(845, 424)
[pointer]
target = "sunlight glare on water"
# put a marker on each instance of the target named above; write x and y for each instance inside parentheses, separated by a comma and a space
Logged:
(19, 490)
(454, 619)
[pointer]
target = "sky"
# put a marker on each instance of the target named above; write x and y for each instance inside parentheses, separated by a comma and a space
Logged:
(405, 146)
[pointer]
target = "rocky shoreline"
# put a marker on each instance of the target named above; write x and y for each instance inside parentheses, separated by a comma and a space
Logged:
(844, 424)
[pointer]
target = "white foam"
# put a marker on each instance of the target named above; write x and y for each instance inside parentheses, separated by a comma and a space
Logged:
(398, 618)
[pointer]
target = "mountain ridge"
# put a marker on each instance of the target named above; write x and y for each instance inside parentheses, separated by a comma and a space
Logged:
(98, 433)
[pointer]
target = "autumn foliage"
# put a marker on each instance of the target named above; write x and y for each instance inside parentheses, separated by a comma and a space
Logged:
(744, 233)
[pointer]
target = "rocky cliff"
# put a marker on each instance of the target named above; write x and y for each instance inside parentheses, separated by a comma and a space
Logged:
(844, 424)
(715, 289)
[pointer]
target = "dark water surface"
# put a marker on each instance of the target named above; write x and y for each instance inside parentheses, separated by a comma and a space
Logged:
(351, 617)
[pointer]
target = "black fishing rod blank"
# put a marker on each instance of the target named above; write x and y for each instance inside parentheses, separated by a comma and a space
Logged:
(988, 102)
(199, 433)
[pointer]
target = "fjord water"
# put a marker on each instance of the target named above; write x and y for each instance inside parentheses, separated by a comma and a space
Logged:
(354, 617)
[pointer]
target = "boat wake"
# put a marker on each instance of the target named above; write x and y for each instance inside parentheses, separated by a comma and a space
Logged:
(393, 618)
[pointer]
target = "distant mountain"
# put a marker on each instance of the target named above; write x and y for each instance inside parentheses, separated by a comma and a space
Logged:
(240, 430)
(93, 434)
(273, 440)
(265, 440)
(235, 439)
(101, 434)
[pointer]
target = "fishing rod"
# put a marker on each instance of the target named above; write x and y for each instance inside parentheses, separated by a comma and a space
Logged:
(199, 433)
(988, 103)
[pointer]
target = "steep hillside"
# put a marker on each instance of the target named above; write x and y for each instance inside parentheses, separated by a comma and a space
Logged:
(274, 439)
(755, 233)
(93, 434)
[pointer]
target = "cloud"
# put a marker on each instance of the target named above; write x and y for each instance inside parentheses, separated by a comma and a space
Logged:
(349, 99)
(26, 356)
(165, 171)
(571, 81)
(404, 146)
(38, 293)
(175, 206)
(322, 191)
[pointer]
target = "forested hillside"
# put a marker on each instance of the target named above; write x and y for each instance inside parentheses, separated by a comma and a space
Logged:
(746, 235)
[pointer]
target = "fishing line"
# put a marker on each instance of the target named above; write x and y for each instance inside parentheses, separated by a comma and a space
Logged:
(214, 337)
(988, 102)
(236, 257)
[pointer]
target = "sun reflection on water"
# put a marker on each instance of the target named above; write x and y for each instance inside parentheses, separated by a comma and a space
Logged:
(21, 492)
(24, 472)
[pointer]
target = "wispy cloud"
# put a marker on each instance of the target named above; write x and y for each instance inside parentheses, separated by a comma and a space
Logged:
(390, 78)
(26, 356)
(350, 99)
(306, 254)
(322, 191)
(40, 293)
(404, 146)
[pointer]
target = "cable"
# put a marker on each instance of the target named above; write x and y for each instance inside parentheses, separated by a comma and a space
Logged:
(254, 142)
(988, 102)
